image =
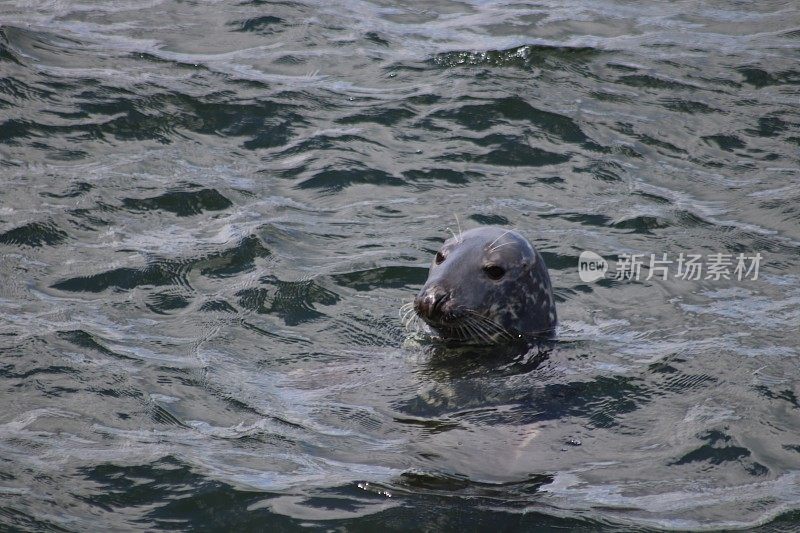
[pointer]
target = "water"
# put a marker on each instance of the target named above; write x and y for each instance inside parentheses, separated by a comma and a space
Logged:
(211, 214)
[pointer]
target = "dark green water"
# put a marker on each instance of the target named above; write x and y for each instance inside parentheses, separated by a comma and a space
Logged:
(212, 212)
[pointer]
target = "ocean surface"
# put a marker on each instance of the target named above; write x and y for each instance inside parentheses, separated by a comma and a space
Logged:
(211, 213)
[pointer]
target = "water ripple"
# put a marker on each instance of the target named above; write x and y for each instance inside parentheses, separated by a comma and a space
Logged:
(211, 217)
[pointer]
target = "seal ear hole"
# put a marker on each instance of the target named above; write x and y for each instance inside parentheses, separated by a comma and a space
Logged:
(494, 271)
(439, 258)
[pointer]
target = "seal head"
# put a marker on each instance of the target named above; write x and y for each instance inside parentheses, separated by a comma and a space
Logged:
(486, 285)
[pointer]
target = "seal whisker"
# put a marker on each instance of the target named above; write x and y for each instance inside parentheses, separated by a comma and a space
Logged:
(465, 333)
(460, 238)
(492, 336)
(489, 322)
(453, 233)
(469, 329)
(476, 328)
(491, 331)
(469, 333)
(405, 308)
(500, 246)
(500, 237)
(501, 331)
(491, 325)
(482, 334)
(408, 318)
(411, 323)
(405, 311)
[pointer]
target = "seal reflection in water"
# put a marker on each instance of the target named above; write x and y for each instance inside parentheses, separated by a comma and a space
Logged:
(487, 285)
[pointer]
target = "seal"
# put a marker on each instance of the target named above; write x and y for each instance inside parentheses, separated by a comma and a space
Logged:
(485, 286)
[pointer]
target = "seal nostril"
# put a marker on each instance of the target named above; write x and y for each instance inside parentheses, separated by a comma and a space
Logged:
(439, 299)
(429, 303)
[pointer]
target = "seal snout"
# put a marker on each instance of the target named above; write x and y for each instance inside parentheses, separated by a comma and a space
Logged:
(430, 303)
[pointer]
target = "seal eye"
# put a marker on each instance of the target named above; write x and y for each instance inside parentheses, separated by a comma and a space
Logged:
(439, 258)
(494, 271)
